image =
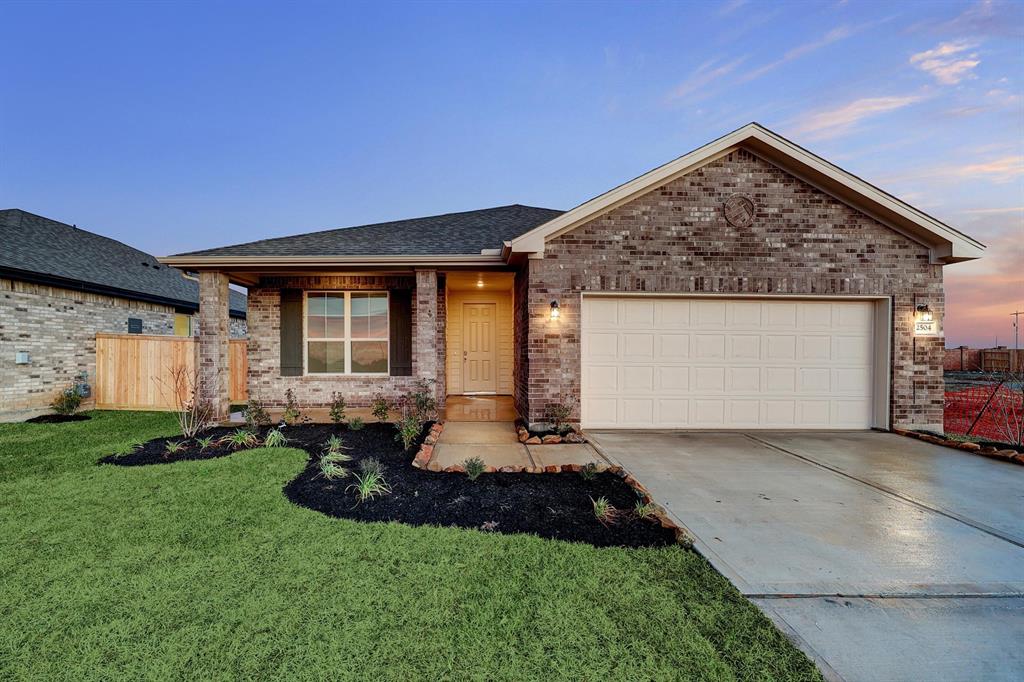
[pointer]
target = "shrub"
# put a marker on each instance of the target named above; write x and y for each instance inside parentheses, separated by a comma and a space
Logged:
(292, 415)
(424, 403)
(274, 439)
(604, 511)
(192, 408)
(558, 414)
(337, 408)
(67, 401)
(409, 428)
(240, 439)
(380, 407)
(204, 443)
(474, 466)
(588, 471)
(256, 414)
(356, 423)
(369, 484)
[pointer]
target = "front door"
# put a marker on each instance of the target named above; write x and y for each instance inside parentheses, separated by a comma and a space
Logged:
(480, 352)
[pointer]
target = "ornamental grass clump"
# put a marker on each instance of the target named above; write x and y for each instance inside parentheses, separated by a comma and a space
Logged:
(356, 423)
(240, 439)
(588, 471)
(173, 447)
(604, 511)
(204, 443)
(274, 439)
(643, 510)
(370, 481)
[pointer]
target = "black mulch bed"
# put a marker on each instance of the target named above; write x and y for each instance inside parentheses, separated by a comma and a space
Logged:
(57, 418)
(556, 506)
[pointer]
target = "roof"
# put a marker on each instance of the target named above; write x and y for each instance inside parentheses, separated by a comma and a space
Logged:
(39, 249)
(947, 244)
(453, 234)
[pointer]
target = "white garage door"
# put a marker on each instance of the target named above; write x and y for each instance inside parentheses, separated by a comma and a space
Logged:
(725, 363)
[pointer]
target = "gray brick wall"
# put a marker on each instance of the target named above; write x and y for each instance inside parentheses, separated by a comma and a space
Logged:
(58, 328)
(675, 240)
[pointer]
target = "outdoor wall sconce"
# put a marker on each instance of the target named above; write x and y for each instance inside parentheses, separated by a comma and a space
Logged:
(924, 322)
(22, 357)
(554, 310)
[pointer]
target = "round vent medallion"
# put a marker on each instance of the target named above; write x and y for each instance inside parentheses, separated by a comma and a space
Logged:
(739, 210)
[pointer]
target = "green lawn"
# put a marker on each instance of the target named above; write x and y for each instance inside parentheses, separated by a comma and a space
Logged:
(203, 570)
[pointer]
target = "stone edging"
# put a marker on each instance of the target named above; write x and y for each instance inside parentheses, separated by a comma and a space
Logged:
(551, 439)
(1007, 455)
(426, 450)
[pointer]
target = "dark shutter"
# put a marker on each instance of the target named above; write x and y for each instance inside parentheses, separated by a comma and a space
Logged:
(291, 332)
(400, 316)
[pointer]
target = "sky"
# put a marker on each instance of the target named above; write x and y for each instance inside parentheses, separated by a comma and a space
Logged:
(181, 126)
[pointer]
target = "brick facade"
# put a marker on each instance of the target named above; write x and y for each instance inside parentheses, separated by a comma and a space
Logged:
(213, 364)
(58, 328)
(675, 239)
(265, 380)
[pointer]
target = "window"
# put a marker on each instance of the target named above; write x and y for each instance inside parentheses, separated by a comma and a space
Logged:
(346, 332)
(182, 324)
(134, 325)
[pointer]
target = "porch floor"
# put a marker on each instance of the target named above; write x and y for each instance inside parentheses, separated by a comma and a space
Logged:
(497, 444)
(478, 408)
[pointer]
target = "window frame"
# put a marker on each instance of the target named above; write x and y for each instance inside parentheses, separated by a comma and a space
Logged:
(347, 341)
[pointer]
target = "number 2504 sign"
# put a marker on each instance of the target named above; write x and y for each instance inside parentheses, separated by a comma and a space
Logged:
(926, 328)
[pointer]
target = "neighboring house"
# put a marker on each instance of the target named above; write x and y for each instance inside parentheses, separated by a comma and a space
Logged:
(748, 284)
(59, 286)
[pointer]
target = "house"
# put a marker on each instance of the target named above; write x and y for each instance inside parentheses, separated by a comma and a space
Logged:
(748, 284)
(60, 285)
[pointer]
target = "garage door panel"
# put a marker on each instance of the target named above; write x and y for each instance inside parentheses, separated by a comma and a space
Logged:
(721, 363)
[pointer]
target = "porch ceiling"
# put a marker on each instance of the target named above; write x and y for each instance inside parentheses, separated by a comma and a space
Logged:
(479, 281)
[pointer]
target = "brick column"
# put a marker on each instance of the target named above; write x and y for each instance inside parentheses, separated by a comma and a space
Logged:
(214, 332)
(424, 353)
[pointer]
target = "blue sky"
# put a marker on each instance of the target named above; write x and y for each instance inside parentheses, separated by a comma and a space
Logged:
(180, 126)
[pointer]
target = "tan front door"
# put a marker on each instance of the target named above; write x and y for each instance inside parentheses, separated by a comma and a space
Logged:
(480, 352)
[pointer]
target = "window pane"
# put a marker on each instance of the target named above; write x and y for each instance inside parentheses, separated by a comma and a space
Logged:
(316, 304)
(335, 327)
(369, 357)
(369, 316)
(326, 357)
(336, 305)
(315, 325)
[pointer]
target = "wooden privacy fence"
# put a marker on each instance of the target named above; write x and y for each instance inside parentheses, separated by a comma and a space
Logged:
(134, 371)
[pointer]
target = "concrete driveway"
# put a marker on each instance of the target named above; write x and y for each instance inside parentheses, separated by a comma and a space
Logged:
(883, 557)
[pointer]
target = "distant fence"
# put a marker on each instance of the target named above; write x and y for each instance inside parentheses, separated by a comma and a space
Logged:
(133, 371)
(983, 360)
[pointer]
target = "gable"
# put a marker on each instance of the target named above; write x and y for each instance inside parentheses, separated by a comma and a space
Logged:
(797, 229)
(945, 244)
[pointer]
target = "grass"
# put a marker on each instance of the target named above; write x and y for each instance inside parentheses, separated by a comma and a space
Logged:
(203, 570)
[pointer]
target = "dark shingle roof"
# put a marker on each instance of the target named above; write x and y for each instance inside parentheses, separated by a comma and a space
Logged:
(466, 233)
(36, 246)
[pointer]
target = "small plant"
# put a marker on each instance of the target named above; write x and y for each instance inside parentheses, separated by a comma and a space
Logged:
(474, 466)
(371, 465)
(331, 468)
(380, 407)
(274, 439)
(173, 447)
(334, 444)
(369, 484)
(337, 408)
(204, 443)
(588, 471)
(356, 423)
(240, 439)
(409, 428)
(643, 510)
(67, 401)
(604, 511)
(292, 415)
(256, 414)
(128, 449)
(558, 414)
(336, 456)
(424, 401)
(192, 405)
(489, 526)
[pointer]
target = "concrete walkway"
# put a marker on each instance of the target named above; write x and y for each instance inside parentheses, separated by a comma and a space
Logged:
(497, 444)
(883, 557)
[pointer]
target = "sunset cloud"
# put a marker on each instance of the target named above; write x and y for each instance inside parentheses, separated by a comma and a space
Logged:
(947, 63)
(832, 123)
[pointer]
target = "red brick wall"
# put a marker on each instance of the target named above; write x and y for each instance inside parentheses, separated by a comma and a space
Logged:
(675, 240)
(265, 380)
(966, 359)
